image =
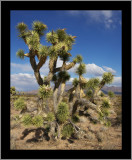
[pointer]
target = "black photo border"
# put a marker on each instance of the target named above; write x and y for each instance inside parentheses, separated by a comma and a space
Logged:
(125, 7)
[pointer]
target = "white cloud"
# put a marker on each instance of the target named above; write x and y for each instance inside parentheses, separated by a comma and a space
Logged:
(91, 69)
(105, 17)
(24, 81)
(108, 69)
(21, 67)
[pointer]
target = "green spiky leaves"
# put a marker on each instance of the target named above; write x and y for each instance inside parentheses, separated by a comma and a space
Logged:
(39, 27)
(33, 41)
(64, 76)
(81, 69)
(78, 59)
(61, 34)
(43, 51)
(62, 112)
(93, 83)
(107, 78)
(52, 37)
(75, 82)
(20, 54)
(45, 91)
(21, 27)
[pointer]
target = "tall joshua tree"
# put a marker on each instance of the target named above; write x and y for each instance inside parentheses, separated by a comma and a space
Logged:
(107, 78)
(61, 44)
(78, 86)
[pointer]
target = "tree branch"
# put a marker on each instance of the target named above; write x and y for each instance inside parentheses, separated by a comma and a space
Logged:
(41, 62)
(69, 66)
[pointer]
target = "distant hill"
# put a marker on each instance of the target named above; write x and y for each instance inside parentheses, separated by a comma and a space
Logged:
(105, 89)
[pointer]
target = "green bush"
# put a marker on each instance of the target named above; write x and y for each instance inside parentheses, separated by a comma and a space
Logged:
(62, 112)
(19, 104)
(105, 112)
(105, 104)
(50, 117)
(111, 94)
(38, 121)
(27, 120)
(67, 130)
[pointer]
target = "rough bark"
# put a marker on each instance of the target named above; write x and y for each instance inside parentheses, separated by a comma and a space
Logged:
(61, 92)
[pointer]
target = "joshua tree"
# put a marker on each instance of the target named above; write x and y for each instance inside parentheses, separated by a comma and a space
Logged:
(78, 86)
(61, 44)
(107, 78)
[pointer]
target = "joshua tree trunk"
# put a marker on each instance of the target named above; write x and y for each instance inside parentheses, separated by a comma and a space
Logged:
(61, 92)
(55, 94)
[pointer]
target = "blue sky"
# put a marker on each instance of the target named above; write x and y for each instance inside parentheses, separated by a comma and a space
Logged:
(98, 41)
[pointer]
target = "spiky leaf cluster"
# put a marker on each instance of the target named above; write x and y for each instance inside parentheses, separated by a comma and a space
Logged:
(52, 37)
(27, 120)
(75, 82)
(39, 27)
(105, 104)
(20, 54)
(19, 104)
(64, 76)
(21, 27)
(81, 69)
(67, 130)
(93, 83)
(62, 112)
(61, 34)
(33, 41)
(45, 91)
(50, 117)
(78, 59)
(43, 50)
(65, 57)
(37, 121)
(107, 78)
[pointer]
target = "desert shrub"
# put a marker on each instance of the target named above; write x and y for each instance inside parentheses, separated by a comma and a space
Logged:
(102, 94)
(111, 94)
(37, 121)
(62, 112)
(27, 120)
(67, 130)
(107, 123)
(75, 118)
(19, 104)
(50, 117)
(105, 104)
(105, 112)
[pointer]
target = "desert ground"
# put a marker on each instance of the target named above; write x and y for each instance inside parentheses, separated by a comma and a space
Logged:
(96, 136)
